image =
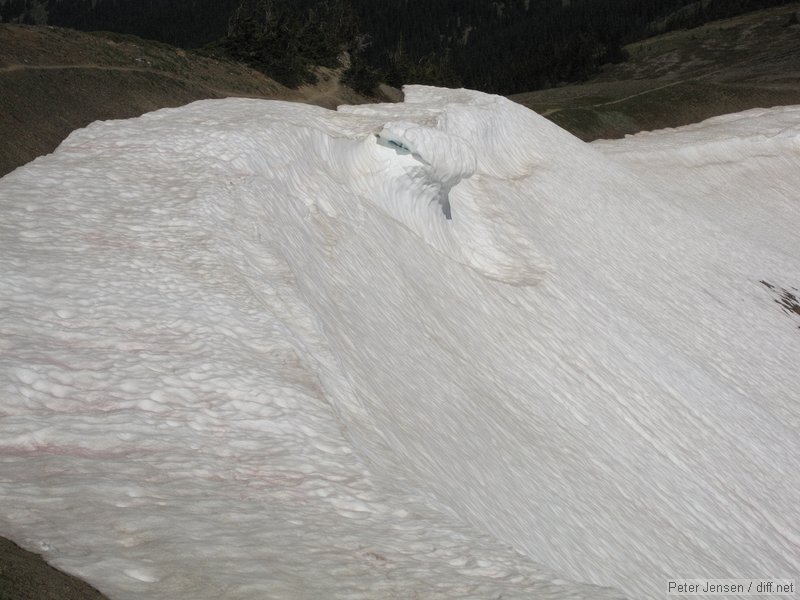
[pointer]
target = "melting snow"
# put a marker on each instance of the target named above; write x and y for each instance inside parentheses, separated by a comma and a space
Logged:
(244, 354)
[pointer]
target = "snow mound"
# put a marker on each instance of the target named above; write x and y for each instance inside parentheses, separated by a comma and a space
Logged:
(438, 164)
(436, 349)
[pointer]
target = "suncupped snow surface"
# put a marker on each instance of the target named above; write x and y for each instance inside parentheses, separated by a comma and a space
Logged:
(437, 349)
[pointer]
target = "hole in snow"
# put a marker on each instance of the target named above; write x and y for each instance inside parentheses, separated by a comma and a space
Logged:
(444, 202)
(394, 144)
(402, 149)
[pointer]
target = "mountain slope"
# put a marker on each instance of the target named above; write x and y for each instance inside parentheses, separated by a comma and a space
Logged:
(684, 77)
(436, 349)
(54, 81)
(506, 47)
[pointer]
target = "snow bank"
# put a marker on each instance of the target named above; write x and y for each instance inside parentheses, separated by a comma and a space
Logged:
(264, 350)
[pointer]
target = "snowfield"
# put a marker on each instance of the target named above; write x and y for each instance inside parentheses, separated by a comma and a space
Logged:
(437, 349)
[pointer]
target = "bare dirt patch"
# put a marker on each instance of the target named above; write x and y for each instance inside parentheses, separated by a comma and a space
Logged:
(26, 576)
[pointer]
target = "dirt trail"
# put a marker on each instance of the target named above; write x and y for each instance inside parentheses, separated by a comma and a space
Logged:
(21, 67)
(650, 91)
(148, 70)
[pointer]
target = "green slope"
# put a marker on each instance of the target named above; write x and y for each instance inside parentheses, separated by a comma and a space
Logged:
(683, 77)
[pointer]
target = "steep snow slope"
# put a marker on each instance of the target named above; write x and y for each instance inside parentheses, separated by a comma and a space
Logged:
(246, 353)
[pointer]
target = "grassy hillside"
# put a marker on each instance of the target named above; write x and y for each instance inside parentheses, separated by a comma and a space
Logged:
(54, 80)
(683, 77)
